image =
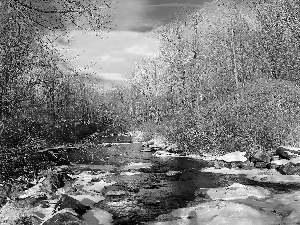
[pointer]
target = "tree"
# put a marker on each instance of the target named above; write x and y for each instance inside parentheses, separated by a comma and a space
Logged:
(29, 61)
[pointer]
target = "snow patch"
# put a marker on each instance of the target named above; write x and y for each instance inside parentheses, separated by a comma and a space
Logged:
(97, 186)
(233, 157)
(165, 154)
(221, 213)
(237, 191)
(125, 173)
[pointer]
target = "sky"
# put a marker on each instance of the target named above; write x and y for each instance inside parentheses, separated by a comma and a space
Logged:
(111, 57)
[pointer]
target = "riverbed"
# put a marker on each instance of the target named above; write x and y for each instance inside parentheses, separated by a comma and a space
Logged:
(148, 188)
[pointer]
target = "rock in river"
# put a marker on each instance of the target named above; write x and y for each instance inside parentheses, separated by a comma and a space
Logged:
(65, 218)
(68, 202)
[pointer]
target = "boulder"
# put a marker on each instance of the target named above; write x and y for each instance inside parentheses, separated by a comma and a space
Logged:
(35, 220)
(289, 169)
(155, 148)
(261, 164)
(114, 190)
(246, 165)
(282, 152)
(53, 181)
(260, 157)
(70, 203)
(65, 218)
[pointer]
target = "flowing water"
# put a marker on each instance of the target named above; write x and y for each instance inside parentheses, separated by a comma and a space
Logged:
(152, 186)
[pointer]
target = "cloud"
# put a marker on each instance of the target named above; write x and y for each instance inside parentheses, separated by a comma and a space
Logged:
(131, 15)
(112, 76)
(111, 56)
(139, 50)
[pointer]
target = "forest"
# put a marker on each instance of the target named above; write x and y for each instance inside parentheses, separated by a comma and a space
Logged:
(226, 78)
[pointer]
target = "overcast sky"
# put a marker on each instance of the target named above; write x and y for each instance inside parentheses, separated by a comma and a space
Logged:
(116, 51)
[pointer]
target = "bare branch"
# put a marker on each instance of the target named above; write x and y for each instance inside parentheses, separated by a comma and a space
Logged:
(47, 11)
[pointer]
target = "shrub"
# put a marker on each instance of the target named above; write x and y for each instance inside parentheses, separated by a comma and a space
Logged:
(265, 115)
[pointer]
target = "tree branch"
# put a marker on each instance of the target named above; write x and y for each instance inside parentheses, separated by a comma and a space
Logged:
(47, 11)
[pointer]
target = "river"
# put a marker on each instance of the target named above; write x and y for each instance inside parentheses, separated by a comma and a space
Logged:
(147, 188)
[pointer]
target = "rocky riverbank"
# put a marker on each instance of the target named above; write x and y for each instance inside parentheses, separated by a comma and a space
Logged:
(109, 182)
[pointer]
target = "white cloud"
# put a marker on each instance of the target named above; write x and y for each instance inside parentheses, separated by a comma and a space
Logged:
(139, 50)
(109, 58)
(111, 55)
(112, 76)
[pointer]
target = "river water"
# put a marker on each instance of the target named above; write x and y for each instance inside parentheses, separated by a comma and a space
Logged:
(150, 187)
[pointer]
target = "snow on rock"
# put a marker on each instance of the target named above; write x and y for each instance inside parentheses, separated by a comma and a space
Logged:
(221, 213)
(88, 200)
(237, 191)
(158, 141)
(137, 136)
(237, 171)
(8, 213)
(291, 201)
(35, 191)
(285, 161)
(233, 157)
(97, 186)
(260, 175)
(98, 216)
(125, 173)
(135, 166)
(67, 210)
(276, 177)
(280, 162)
(165, 154)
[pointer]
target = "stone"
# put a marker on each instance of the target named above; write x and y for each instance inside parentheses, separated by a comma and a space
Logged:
(260, 156)
(68, 202)
(115, 193)
(282, 152)
(151, 142)
(289, 169)
(114, 190)
(107, 145)
(293, 152)
(261, 165)
(5, 190)
(154, 148)
(52, 182)
(35, 220)
(246, 165)
(29, 202)
(2, 201)
(66, 218)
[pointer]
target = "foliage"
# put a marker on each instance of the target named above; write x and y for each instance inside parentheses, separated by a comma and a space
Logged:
(41, 96)
(227, 77)
(23, 220)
